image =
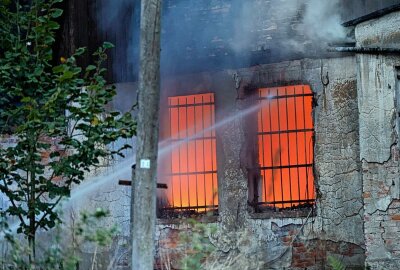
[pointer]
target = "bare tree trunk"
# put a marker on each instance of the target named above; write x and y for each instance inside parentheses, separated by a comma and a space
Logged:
(144, 210)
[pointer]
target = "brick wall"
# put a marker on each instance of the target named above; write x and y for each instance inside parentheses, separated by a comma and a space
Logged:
(378, 89)
(315, 253)
(209, 35)
(198, 35)
(297, 239)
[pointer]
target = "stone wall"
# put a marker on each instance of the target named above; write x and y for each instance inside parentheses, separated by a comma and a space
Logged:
(221, 34)
(378, 91)
(357, 157)
(199, 35)
(294, 239)
(357, 213)
(287, 239)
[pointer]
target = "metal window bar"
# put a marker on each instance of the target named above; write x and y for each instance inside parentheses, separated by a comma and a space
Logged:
(192, 166)
(285, 121)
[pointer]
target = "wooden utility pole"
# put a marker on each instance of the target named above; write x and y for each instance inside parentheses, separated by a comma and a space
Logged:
(144, 186)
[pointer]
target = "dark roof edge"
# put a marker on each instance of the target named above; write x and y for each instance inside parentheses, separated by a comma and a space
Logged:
(372, 15)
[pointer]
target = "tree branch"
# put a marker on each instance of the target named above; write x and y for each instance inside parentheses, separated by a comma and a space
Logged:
(13, 203)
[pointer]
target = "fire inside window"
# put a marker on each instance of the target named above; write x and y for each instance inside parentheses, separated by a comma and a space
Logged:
(192, 162)
(285, 132)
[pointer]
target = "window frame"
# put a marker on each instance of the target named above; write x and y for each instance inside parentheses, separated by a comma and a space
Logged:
(177, 211)
(255, 176)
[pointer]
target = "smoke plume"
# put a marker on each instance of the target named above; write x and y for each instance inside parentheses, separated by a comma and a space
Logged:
(197, 32)
(322, 21)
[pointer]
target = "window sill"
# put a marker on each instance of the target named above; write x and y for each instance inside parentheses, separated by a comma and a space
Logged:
(185, 220)
(296, 213)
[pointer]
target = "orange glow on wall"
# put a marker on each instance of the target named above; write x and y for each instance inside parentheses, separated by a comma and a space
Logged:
(190, 169)
(285, 131)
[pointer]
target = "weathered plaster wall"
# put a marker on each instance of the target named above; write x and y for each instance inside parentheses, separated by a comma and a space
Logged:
(292, 240)
(336, 140)
(297, 239)
(378, 90)
(336, 157)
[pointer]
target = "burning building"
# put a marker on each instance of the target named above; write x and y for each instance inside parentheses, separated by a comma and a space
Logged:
(279, 125)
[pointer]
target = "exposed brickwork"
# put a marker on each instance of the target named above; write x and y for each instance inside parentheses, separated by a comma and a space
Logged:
(356, 136)
(10, 141)
(335, 228)
(285, 244)
(378, 88)
(169, 247)
(266, 240)
(382, 216)
(313, 254)
(232, 34)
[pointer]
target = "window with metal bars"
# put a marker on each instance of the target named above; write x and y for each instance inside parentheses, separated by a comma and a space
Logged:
(190, 166)
(285, 147)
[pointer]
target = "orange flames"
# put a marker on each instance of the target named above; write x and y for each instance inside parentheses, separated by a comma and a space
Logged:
(285, 156)
(285, 130)
(192, 165)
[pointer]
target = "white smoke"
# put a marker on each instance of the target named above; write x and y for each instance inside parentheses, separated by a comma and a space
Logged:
(194, 29)
(322, 21)
(287, 26)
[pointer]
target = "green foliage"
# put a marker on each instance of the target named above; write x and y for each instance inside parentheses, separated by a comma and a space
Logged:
(58, 255)
(335, 263)
(89, 231)
(197, 243)
(51, 109)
